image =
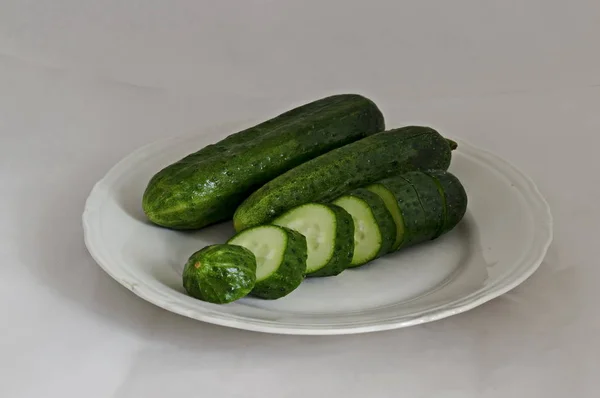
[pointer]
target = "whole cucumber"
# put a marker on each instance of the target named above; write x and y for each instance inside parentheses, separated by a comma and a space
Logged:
(205, 187)
(341, 170)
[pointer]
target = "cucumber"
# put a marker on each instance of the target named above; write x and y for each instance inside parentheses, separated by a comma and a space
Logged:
(280, 259)
(374, 227)
(389, 199)
(424, 204)
(220, 273)
(341, 170)
(431, 203)
(206, 186)
(329, 232)
(454, 198)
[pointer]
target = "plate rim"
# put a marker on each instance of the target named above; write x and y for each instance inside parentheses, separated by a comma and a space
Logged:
(543, 231)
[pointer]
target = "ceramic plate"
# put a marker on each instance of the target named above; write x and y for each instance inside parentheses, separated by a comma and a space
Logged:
(499, 243)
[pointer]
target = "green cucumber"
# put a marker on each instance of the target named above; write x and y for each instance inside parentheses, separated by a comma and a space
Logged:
(220, 273)
(339, 171)
(431, 202)
(374, 227)
(329, 232)
(280, 259)
(424, 204)
(454, 198)
(389, 199)
(205, 187)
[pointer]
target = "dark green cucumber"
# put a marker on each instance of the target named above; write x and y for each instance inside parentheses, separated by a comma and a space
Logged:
(374, 227)
(454, 198)
(220, 273)
(205, 187)
(431, 202)
(329, 232)
(423, 208)
(417, 226)
(389, 199)
(281, 255)
(339, 171)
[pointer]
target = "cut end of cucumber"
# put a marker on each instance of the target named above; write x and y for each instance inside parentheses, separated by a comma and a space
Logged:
(367, 237)
(268, 245)
(317, 223)
(392, 205)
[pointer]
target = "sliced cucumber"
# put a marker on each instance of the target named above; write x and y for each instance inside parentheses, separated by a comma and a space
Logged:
(374, 227)
(413, 215)
(422, 202)
(454, 198)
(280, 259)
(329, 232)
(431, 202)
(392, 205)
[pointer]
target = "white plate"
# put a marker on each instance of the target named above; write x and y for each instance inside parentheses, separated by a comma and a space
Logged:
(500, 242)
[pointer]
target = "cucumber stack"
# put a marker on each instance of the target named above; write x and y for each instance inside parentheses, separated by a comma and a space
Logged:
(280, 259)
(374, 227)
(329, 231)
(425, 205)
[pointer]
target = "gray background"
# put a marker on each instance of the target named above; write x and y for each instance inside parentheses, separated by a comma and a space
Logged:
(83, 83)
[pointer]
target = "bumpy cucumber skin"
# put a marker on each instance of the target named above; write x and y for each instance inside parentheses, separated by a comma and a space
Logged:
(394, 210)
(455, 198)
(344, 244)
(383, 218)
(205, 187)
(431, 202)
(352, 166)
(412, 212)
(291, 272)
(220, 273)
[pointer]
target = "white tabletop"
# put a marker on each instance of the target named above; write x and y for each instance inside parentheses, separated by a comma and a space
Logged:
(83, 83)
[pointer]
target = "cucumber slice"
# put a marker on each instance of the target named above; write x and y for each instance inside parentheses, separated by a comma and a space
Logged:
(454, 198)
(422, 201)
(374, 227)
(329, 232)
(431, 202)
(220, 273)
(280, 259)
(392, 205)
(412, 213)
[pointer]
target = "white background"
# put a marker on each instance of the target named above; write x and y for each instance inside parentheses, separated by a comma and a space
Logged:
(83, 83)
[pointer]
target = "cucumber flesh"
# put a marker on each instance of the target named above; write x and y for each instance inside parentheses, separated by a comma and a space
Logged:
(374, 227)
(329, 232)
(268, 245)
(280, 259)
(392, 205)
(367, 238)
